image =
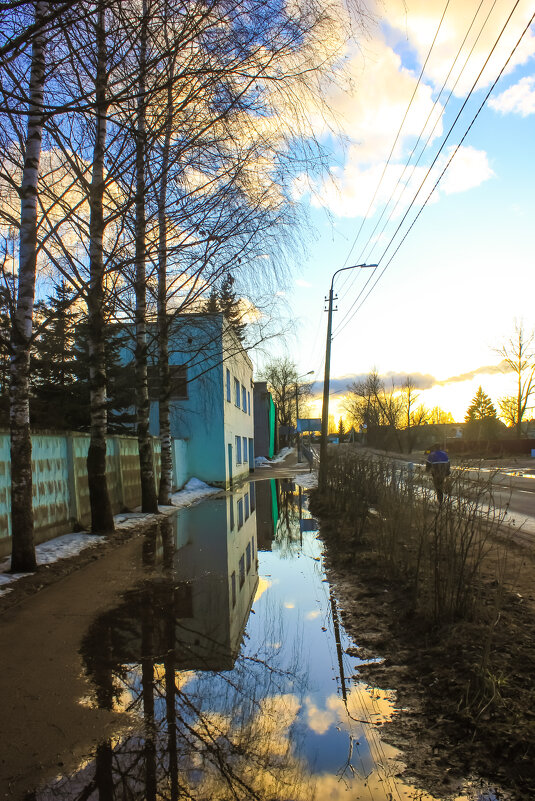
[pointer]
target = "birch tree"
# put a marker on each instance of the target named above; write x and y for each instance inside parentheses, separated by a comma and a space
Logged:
(23, 550)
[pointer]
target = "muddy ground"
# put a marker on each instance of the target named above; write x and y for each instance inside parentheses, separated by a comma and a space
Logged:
(466, 692)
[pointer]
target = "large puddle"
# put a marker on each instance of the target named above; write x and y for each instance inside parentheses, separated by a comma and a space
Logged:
(230, 661)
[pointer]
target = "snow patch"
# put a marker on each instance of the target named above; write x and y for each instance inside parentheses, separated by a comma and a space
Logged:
(193, 490)
(307, 480)
(281, 455)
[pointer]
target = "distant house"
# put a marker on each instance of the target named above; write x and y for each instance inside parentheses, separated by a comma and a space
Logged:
(265, 421)
(211, 404)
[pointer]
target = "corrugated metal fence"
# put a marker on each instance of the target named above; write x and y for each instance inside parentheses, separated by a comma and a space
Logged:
(60, 486)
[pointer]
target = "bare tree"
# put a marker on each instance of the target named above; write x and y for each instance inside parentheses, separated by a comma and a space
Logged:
(519, 353)
(282, 377)
(101, 511)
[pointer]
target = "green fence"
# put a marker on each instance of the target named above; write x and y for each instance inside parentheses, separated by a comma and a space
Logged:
(60, 486)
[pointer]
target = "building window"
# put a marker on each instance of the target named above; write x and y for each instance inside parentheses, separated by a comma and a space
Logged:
(244, 398)
(248, 556)
(248, 402)
(252, 495)
(237, 392)
(242, 572)
(229, 397)
(240, 513)
(252, 547)
(246, 499)
(245, 454)
(231, 513)
(233, 587)
(238, 450)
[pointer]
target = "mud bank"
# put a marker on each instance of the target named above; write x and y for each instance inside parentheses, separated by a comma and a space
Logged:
(465, 691)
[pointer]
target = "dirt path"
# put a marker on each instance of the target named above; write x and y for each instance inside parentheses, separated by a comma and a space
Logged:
(47, 726)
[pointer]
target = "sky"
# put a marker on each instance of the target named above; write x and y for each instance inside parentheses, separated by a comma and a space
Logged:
(443, 299)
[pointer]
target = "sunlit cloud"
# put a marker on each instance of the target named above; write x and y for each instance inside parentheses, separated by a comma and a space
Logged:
(312, 615)
(420, 381)
(415, 27)
(349, 190)
(289, 605)
(469, 168)
(488, 369)
(518, 99)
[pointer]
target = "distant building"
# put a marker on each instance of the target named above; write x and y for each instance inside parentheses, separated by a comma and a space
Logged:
(265, 421)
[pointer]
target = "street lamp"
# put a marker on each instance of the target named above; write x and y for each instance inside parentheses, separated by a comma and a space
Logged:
(310, 372)
(326, 379)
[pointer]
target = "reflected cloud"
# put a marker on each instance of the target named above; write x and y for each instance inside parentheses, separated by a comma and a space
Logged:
(367, 705)
(312, 615)
(263, 585)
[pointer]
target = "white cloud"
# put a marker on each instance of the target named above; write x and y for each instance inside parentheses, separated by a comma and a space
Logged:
(414, 23)
(301, 282)
(469, 168)
(518, 99)
(348, 192)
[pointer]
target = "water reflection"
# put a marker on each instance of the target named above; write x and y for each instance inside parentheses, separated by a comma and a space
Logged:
(226, 704)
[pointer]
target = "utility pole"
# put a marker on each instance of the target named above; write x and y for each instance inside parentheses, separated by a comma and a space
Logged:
(310, 372)
(325, 408)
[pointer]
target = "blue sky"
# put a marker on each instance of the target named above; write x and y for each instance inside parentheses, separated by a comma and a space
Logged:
(465, 271)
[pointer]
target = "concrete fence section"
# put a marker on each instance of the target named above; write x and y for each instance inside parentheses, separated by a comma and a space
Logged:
(60, 486)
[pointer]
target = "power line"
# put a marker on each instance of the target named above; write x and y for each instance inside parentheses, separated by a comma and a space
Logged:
(370, 277)
(447, 164)
(340, 328)
(399, 132)
(425, 125)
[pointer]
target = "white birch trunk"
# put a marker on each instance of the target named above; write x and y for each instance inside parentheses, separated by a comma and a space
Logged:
(23, 549)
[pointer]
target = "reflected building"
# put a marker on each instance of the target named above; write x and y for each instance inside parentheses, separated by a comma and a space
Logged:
(267, 512)
(204, 577)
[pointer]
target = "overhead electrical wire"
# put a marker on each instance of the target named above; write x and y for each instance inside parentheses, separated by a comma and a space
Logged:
(399, 131)
(340, 328)
(361, 257)
(435, 104)
(447, 164)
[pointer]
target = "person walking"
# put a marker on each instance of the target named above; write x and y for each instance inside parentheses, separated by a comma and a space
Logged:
(438, 464)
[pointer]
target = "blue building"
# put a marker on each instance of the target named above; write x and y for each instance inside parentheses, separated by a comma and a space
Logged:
(211, 405)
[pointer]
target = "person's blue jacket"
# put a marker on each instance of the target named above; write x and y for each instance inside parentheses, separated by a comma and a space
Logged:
(437, 457)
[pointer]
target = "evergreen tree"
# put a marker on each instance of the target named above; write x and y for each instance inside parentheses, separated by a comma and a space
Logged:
(341, 430)
(481, 418)
(229, 304)
(120, 382)
(212, 304)
(53, 365)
